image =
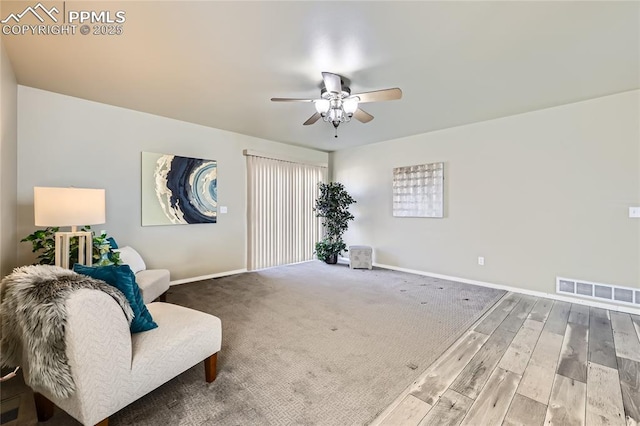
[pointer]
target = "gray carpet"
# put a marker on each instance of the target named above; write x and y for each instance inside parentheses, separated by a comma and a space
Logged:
(312, 344)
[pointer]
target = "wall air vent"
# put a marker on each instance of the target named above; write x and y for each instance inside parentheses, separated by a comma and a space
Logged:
(598, 291)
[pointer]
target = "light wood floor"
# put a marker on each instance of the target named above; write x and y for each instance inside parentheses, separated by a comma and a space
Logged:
(531, 361)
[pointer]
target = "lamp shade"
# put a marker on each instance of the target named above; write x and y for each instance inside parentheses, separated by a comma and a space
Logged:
(68, 206)
(350, 105)
(322, 105)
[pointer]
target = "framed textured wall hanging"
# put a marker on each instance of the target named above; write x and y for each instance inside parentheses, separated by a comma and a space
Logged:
(418, 191)
(178, 190)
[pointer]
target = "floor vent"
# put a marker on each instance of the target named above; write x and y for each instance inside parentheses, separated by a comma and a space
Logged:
(598, 291)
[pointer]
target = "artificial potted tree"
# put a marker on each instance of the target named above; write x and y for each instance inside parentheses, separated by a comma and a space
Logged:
(332, 205)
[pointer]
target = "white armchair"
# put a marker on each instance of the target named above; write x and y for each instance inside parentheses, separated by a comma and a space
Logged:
(153, 283)
(112, 368)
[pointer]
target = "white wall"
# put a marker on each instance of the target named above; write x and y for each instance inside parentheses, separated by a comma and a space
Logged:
(8, 164)
(65, 141)
(539, 195)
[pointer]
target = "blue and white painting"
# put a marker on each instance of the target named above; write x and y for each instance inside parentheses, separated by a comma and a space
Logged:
(178, 190)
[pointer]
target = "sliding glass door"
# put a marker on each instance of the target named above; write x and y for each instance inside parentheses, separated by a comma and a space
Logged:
(282, 227)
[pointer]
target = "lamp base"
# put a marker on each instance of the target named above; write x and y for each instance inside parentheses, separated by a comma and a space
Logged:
(85, 247)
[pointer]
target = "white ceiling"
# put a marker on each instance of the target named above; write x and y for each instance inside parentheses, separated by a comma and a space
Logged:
(219, 63)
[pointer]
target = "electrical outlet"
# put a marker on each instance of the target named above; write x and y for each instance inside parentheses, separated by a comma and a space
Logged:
(480, 260)
(223, 209)
(634, 211)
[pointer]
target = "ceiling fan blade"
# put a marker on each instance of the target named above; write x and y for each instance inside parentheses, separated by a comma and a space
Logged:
(291, 100)
(362, 116)
(315, 117)
(332, 82)
(379, 95)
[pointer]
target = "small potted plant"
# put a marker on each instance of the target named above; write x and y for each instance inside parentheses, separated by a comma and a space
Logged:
(43, 243)
(332, 205)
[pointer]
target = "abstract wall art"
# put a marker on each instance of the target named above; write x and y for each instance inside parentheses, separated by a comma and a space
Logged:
(178, 190)
(418, 191)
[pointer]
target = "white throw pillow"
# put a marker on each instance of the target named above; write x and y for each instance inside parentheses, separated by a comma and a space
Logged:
(129, 256)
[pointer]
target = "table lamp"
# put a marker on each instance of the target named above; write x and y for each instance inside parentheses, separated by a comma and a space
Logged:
(70, 207)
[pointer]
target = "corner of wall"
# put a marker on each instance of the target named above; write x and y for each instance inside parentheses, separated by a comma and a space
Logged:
(330, 174)
(8, 163)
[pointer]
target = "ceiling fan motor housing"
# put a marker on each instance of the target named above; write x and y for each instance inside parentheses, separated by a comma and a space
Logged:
(346, 92)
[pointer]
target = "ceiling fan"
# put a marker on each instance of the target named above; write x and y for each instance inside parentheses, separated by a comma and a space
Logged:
(337, 105)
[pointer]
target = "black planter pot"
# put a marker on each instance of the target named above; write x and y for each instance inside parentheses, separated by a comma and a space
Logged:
(332, 259)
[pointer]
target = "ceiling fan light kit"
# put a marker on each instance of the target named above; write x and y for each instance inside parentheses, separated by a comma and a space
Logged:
(337, 105)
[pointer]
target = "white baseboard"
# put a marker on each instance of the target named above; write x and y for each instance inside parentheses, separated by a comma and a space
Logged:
(595, 304)
(208, 277)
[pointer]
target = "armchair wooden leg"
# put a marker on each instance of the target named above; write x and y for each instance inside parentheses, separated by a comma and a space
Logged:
(105, 422)
(44, 407)
(163, 298)
(210, 368)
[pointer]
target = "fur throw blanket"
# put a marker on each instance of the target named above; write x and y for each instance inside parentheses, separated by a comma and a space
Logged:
(33, 318)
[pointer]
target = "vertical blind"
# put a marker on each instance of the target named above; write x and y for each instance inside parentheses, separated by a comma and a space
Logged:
(282, 227)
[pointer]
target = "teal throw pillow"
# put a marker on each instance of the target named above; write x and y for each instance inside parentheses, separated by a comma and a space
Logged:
(122, 278)
(112, 243)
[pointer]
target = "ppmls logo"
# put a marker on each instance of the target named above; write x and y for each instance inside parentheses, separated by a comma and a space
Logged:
(89, 22)
(34, 11)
